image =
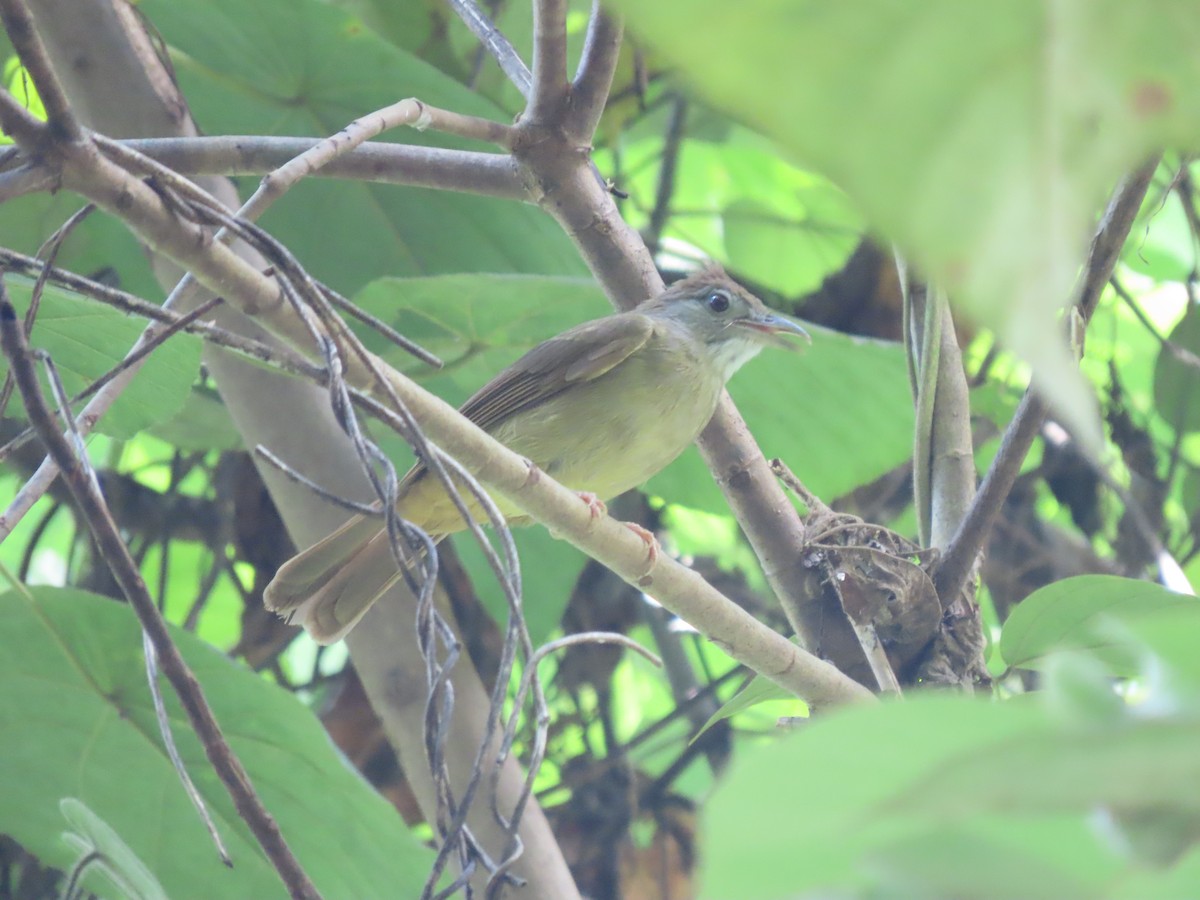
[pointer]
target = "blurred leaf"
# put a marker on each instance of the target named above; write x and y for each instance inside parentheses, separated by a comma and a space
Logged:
(863, 804)
(1176, 382)
(953, 861)
(299, 67)
(76, 719)
(86, 339)
(1172, 883)
(1068, 613)
(1078, 691)
(843, 804)
(986, 160)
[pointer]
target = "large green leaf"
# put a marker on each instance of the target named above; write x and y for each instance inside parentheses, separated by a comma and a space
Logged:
(298, 67)
(86, 339)
(981, 137)
(76, 720)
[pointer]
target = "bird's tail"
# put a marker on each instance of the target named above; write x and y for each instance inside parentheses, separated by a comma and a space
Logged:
(330, 586)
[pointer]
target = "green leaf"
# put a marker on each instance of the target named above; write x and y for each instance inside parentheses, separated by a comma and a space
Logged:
(477, 324)
(100, 248)
(985, 159)
(76, 720)
(299, 67)
(202, 423)
(86, 339)
(1068, 613)
(792, 253)
(1177, 382)
(739, 201)
(755, 691)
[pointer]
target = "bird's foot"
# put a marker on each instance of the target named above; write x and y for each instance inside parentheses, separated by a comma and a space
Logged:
(651, 551)
(596, 506)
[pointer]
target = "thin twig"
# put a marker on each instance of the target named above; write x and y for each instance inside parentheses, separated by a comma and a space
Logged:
(496, 44)
(529, 678)
(362, 509)
(164, 729)
(672, 143)
(1181, 353)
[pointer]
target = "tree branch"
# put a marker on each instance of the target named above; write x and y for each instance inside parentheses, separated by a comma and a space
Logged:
(496, 44)
(549, 60)
(959, 558)
(593, 78)
(61, 122)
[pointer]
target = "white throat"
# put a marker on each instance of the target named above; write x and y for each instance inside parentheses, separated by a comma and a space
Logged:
(731, 354)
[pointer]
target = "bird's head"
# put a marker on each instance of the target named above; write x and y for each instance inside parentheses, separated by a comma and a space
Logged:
(724, 317)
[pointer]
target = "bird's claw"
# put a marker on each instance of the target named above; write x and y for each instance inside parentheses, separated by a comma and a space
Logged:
(651, 551)
(596, 506)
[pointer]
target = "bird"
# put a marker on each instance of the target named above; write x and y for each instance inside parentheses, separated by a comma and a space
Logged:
(600, 407)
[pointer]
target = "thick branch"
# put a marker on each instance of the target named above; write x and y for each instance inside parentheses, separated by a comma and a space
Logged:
(960, 555)
(549, 60)
(593, 78)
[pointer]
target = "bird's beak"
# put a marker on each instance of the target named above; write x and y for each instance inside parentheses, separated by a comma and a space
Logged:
(773, 328)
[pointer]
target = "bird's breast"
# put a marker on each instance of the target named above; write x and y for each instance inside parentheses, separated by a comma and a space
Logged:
(614, 432)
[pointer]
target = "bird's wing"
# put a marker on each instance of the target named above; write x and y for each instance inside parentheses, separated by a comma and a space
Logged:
(577, 355)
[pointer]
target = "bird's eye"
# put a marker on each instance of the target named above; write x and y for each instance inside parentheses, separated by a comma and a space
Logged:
(718, 301)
